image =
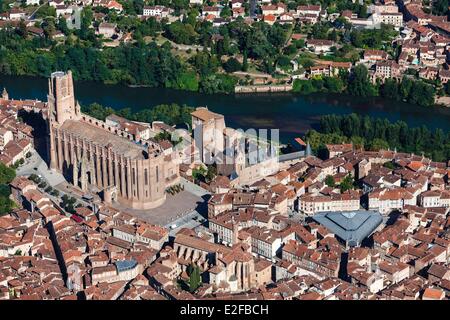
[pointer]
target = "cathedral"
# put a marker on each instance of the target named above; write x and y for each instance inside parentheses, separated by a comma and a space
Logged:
(96, 156)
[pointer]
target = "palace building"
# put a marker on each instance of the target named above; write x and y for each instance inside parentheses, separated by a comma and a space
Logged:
(97, 156)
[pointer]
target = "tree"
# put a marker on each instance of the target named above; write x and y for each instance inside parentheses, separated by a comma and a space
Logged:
(422, 94)
(22, 29)
(7, 174)
(232, 65)
(333, 84)
(359, 84)
(306, 63)
(303, 86)
(97, 111)
(205, 64)
(6, 205)
(363, 11)
(405, 88)
(283, 61)
(48, 25)
(329, 181)
(376, 134)
(181, 33)
(440, 7)
(62, 26)
(258, 45)
(346, 184)
(217, 83)
(277, 35)
(357, 141)
(87, 16)
(45, 11)
(320, 31)
(333, 35)
(245, 62)
(447, 88)
(42, 185)
(194, 278)
(378, 144)
(3, 6)
(226, 12)
(356, 38)
(5, 191)
(210, 173)
(199, 173)
(64, 199)
(389, 165)
(390, 89)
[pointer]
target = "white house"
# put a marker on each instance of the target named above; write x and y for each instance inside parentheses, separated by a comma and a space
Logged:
(31, 2)
(155, 11)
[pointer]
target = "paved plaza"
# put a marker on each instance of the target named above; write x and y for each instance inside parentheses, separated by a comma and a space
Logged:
(35, 164)
(179, 209)
(175, 207)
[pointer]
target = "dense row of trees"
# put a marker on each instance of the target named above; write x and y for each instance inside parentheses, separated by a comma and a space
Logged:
(357, 83)
(261, 42)
(325, 84)
(7, 174)
(172, 114)
(135, 64)
(376, 134)
(211, 56)
(440, 7)
(346, 184)
(410, 90)
(374, 38)
(69, 203)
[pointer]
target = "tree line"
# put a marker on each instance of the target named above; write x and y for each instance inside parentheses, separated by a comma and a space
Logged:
(129, 63)
(357, 83)
(7, 174)
(172, 114)
(377, 134)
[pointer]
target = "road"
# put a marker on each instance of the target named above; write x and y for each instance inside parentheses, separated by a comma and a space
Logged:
(31, 16)
(253, 74)
(253, 7)
(186, 47)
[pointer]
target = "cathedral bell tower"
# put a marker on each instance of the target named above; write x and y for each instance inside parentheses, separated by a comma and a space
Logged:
(5, 94)
(61, 99)
(61, 107)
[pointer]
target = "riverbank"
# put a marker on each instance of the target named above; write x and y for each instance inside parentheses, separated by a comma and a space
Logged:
(443, 102)
(291, 113)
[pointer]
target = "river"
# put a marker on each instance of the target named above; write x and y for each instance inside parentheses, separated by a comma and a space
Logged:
(292, 114)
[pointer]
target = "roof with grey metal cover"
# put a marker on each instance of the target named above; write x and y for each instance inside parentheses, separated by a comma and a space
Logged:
(125, 265)
(352, 226)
